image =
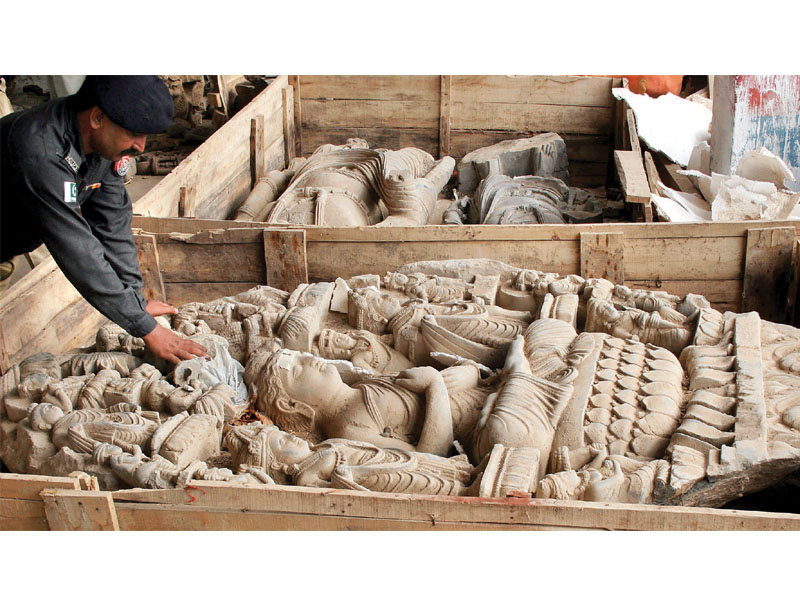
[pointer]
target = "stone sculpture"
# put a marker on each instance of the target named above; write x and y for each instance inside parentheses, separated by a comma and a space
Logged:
(452, 377)
(515, 182)
(351, 185)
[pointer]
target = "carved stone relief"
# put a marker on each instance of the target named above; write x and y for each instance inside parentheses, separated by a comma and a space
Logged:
(462, 377)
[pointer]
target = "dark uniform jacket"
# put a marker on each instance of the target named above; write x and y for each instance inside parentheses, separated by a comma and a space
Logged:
(51, 193)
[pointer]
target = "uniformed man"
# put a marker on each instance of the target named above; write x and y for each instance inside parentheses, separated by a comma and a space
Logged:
(62, 166)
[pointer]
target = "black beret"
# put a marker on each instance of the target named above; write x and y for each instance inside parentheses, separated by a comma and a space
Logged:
(139, 103)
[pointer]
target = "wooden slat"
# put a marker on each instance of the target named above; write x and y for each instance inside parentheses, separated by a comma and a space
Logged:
(633, 231)
(633, 133)
(602, 256)
(289, 149)
(79, 510)
(152, 283)
(632, 176)
(372, 87)
(256, 149)
(285, 258)
(555, 90)
(186, 202)
(22, 515)
(531, 117)
(320, 114)
(319, 506)
(767, 271)
(652, 173)
(444, 116)
(28, 487)
(294, 81)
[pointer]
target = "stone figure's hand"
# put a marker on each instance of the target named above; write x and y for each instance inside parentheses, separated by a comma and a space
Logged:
(418, 379)
(156, 308)
(461, 376)
(170, 346)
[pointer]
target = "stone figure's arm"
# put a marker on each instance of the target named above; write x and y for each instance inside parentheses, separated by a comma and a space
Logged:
(461, 376)
(436, 436)
(516, 361)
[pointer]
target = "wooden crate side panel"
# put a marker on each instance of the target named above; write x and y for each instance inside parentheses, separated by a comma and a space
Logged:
(402, 114)
(424, 88)
(21, 506)
(462, 512)
(218, 171)
(531, 117)
(535, 89)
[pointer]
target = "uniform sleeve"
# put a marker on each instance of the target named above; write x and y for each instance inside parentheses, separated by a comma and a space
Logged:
(108, 212)
(90, 263)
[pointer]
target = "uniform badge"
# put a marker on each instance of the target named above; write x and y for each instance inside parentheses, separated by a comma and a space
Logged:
(70, 192)
(121, 166)
(71, 162)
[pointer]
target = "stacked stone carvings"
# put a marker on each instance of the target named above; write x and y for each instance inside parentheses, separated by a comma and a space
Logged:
(463, 377)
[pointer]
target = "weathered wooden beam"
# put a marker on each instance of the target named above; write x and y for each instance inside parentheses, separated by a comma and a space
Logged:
(633, 179)
(767, 271)
(149, 266)
(603, 256)
(285, 257)
(79, 510)
(187, 207)
(633, 133)
(290, 150)
(294, 81)
(256, 149)
(444, 116)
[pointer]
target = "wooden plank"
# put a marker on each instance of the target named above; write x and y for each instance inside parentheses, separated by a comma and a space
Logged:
(535, 89)
(380, 137)
(652, 173)
(372, 87)
(668, 171)
(690, 258)
(28, 487)
(285, 258)
(80, 510)
(444, 116)
(531, 117)
(321, 114)
(767, 271)
(256, 149)
(507, 513)
(289, 150)
(793, 297)
(22, 515)
(602, 256)
(294, 81)
(633, 132)
(632, 176)
(186, 203)
(152, 283)
(633, 231)
(21, 507)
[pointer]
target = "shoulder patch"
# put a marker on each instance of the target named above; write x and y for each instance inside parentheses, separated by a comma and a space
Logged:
(121, 166)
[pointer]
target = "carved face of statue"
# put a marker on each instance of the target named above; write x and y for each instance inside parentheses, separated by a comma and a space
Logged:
(306, 377)
(288, 449)
(334, 344)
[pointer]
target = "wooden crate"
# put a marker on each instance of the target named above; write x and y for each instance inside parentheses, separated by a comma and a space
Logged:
(30, 502)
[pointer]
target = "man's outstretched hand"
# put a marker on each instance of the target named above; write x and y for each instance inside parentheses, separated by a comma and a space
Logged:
(170, 346)
(156, 308)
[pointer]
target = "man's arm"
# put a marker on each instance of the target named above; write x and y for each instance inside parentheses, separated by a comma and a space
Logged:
(87, 255)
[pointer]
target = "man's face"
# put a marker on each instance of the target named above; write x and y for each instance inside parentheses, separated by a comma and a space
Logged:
(112, 142)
